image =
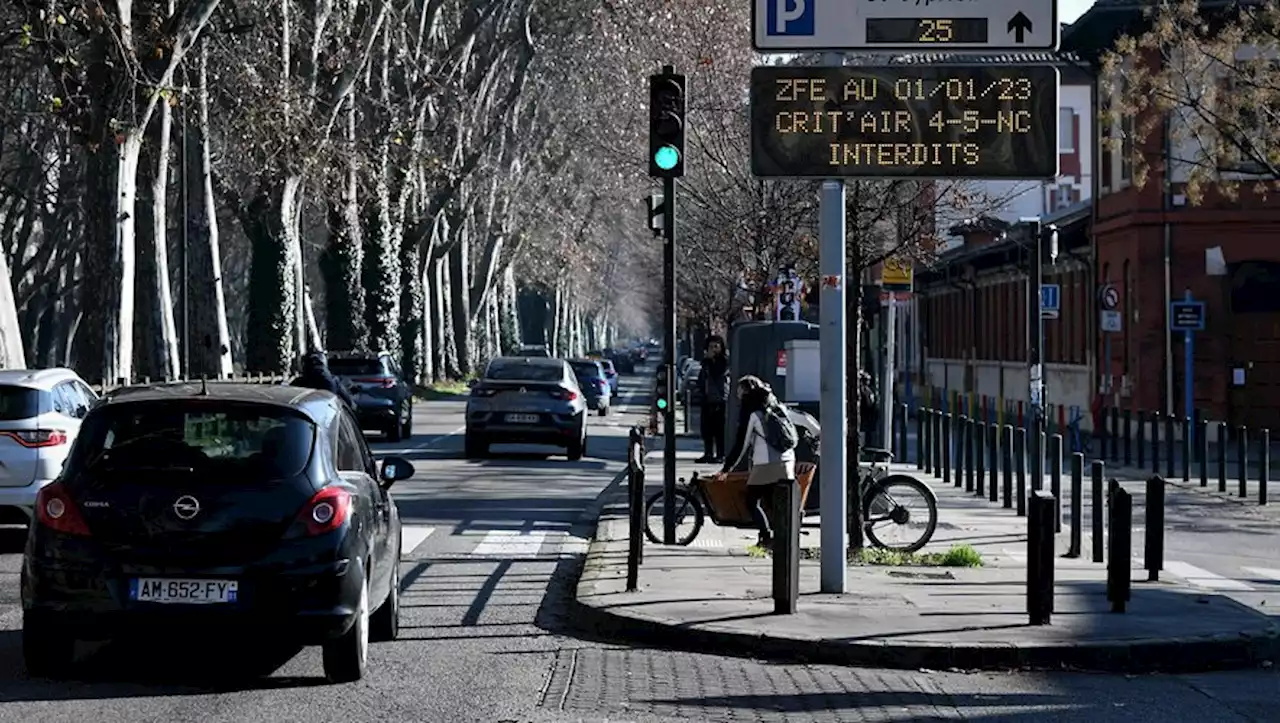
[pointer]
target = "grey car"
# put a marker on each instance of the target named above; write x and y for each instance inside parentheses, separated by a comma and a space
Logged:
(526, 400)
(384, 400)
(594, 384)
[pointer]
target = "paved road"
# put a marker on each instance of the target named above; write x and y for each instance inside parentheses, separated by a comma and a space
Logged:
(485, 638)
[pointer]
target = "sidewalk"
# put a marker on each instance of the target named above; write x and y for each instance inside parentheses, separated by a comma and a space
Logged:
(713, 595)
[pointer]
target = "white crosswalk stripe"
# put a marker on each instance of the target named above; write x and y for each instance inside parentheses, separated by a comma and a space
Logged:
(1203, 578)
(510, 543)
(411, 536)
(1267, 572)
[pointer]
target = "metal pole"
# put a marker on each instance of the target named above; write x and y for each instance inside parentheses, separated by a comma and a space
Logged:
(834, 384)
(1035, 367)
(886, 388)
(669, 357)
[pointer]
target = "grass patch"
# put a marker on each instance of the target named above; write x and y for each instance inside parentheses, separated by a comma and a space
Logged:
(444, 390)
(957, 556)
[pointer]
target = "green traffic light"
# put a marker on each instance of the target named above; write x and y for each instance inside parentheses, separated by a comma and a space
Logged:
(667, 157)
(662, 404)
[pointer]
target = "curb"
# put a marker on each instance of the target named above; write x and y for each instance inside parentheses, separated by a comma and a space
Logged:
(1192, 654)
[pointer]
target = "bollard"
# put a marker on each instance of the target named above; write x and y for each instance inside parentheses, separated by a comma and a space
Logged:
(1099, 504)
(1120, 526)
(1141, 441)
(1168, 446)
(993, 462)
(980, 457)
(1055, 479)
(1077, 505)
(1040, 557)
(902, 433)
(1155, 443)
(1115, 433)
(1128, 439)
(1242, 459)
(1202, 438)
(970, 464)
(786, 547)
(1153, 547)
(962, 424)
(936, 438)
(946, 448)
(1186, 449)
(1020, 463)
(1006, 458)
(1264, 466)
(1102, 433)
(922, 439)
(635, 508)
(1221, 457)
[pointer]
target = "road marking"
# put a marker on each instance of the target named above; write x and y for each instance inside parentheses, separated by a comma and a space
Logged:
(706, 543)
(1266, 572)
(1203, 578)
(510, 543)
(574, 545)
(411, 536)
(424, 444)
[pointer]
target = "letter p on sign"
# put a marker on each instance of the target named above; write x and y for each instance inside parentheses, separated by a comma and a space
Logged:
(790, 17)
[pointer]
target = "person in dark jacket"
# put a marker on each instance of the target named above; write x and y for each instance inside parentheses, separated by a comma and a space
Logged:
(713, 380)
(316, 375)
(868, 409)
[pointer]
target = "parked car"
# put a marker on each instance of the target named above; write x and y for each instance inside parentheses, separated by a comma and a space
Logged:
(40, 415)
(526, 400)
(384, 399)
(593, 383)
(212, 506)
(689, 383)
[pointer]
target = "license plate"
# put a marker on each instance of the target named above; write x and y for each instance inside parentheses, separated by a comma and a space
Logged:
(522, 418)
(160, 590)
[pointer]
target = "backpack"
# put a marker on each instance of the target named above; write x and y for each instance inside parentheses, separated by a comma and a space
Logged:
(779, 431)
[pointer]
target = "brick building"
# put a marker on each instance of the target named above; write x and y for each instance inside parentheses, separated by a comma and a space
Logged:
(1153, 246)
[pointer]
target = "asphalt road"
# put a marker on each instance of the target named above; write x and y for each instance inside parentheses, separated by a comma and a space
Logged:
(485, 635)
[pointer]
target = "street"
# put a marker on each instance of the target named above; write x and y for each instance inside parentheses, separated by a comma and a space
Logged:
(484, 635)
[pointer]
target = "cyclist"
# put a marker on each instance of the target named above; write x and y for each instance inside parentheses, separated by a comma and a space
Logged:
(763, 430)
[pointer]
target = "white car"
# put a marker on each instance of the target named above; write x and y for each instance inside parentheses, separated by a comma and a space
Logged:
(40, 415)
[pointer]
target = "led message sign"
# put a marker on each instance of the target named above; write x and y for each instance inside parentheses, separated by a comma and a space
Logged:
(981, 122)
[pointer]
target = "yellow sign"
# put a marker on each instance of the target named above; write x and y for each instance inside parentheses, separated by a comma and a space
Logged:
(895, 275)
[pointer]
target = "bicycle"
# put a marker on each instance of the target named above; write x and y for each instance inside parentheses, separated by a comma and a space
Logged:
(694, 501)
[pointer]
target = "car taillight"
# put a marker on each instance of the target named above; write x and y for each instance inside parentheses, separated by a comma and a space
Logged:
(56, 510)
(37, 437)
(326, 511)
(384, 382)
(601, 384)
(566, 395)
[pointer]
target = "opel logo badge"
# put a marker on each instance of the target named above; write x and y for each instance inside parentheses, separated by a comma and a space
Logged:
(523, 390)
(186, 507)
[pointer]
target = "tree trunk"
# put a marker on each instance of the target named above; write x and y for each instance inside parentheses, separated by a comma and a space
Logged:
(508, 313)
(341, 264)
(148, 354)
(382, 261)
(12, 355)
(273, 297)
(853, 365)
(460, 301)
(161, 311)
(412, 310)
(105, 336)
(440, 318)
(218, 350)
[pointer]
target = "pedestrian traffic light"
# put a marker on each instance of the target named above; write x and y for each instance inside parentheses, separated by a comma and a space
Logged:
(662, 402)
(666, 125)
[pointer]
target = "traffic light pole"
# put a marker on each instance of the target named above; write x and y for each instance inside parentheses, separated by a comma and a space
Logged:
(669, 359)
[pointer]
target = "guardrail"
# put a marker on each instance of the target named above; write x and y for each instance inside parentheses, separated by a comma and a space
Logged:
(102, 388)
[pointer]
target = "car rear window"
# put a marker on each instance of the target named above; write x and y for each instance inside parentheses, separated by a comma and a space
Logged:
(524, 372)
(357, 367)
(237, 441)
(20, 403)
(586, 369)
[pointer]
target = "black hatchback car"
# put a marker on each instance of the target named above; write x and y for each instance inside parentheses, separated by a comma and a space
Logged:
(220, 506)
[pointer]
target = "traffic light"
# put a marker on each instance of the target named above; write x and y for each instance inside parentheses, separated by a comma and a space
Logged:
(662, 402)
(666, 125)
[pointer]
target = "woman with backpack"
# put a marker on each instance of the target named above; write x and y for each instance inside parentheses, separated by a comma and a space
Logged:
(764, 431)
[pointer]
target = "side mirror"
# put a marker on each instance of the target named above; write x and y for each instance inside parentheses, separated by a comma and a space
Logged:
(393, 470)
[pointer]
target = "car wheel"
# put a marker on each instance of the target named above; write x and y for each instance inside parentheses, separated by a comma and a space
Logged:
(385, 623)
(346, 658)
(406, 427)
(392, 430)
(475, 446)
(578, 448)
(47, 651)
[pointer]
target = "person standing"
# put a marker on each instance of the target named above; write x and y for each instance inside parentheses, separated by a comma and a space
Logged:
(713, 380)
(316, 375)
(767, 438)
(868, 409)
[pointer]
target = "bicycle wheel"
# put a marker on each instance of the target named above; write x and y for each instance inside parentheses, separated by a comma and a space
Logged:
(887, 513)
(689, 517)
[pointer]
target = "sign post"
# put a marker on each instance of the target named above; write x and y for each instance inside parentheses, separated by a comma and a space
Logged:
(895, 279)
(1110, 322)
(1187, 316)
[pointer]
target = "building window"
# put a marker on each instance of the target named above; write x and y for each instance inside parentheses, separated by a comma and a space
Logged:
(1066, 130)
